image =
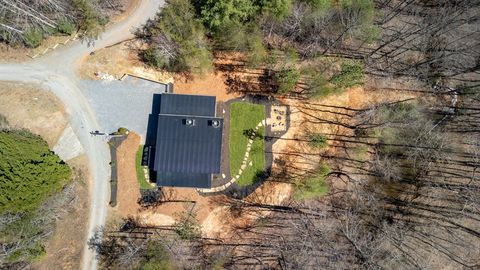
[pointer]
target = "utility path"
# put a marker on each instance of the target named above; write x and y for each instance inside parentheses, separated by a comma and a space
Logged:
(57, 73)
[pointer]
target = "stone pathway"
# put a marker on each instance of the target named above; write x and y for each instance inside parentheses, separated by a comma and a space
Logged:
(246, 162)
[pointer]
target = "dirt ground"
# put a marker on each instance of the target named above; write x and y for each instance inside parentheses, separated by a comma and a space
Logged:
(128, 187)
(209, 210)
(211, 84)
(30, 107)
(64, 249)
(115, 61)
(129, 7)
(129, 192)
(9, 54)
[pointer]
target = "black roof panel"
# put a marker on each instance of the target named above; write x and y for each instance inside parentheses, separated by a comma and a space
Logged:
(187, 105)
(183, 148)
(184, 180)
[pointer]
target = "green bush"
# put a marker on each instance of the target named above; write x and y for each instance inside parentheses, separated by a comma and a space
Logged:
(317, 140)
(65, 26)
(351, 74)
(154, 58)
(33, 37)
(286, 79)
(313, 187)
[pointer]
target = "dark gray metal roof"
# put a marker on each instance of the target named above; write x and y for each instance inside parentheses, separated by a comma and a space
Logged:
(187, 105)
(181, 148)
(184, 180)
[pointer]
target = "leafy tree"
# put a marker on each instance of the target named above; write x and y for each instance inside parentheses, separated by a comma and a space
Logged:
(317, 85)
(320, 4)
(246, 38)
(177, 40)
(156, 257)
(215, 13)
(29, 172)
(361, 15)
(278, 9)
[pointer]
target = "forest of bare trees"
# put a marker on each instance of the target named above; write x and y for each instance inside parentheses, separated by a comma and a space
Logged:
(29, 22)
(404, 183)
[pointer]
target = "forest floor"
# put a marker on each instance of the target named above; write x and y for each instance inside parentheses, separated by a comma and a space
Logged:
(65, 247)
(292, 154)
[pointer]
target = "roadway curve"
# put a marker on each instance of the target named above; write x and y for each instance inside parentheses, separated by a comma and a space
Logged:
(57, 72)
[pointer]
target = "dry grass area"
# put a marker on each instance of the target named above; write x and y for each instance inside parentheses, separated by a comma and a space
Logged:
(30, 107)
(64, 250)
(15, 55)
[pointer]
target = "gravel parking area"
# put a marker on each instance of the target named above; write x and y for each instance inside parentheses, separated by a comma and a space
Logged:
(126, 103)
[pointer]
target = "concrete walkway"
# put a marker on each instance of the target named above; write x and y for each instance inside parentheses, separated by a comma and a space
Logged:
(244, 165)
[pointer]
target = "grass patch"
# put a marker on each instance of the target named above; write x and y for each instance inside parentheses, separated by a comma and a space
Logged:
(142, 181)
(244, 117)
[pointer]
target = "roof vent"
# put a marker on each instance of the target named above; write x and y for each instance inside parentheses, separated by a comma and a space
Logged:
(215, 123)
(189, 122)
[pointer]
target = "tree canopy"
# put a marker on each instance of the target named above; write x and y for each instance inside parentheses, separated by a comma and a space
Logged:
(29, 172)
(177, 39)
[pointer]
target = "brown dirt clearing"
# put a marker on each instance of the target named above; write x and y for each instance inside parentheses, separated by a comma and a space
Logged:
(128, 188)
(115, 61)
(30, 107)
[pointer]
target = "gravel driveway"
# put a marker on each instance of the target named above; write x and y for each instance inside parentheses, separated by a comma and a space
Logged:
(125, 103)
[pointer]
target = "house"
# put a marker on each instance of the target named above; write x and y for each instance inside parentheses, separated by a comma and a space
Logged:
(188, 141)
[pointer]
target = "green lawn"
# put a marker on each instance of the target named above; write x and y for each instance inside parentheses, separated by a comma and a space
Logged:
(245, 116)
(140, 174)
